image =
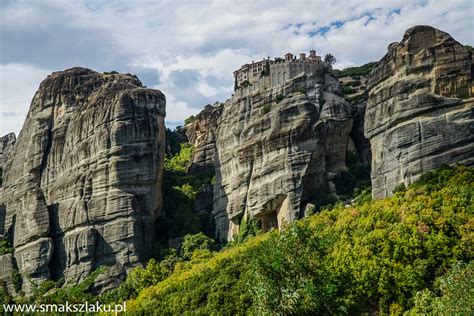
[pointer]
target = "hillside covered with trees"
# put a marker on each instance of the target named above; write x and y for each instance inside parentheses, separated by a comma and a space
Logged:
(410, 253)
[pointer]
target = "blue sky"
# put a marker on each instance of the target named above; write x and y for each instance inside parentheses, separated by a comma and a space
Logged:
(188, 49)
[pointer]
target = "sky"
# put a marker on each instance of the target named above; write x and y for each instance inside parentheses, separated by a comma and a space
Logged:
(189, 49)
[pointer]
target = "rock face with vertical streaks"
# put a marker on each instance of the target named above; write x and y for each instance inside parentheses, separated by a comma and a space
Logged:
(82, 183)
(278, 149)
(201, 133)
(420, 110)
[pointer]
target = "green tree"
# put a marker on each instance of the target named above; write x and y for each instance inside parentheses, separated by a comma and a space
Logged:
(330, 59)
(193, 243)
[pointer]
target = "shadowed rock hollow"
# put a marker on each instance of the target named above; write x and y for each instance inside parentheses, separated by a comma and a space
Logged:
(420, 108)
(82, 183)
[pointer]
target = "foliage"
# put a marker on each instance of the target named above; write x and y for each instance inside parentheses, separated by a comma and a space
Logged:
(180, 161)
(249, 226)
(189, 120)
(5, 247)
(266, 70)
(17, 280)
(217, 285)
(179, 193)
(330, 59)
(174, 139)
(196, 242)
(357, 176)
(266, 108)
(348, 90)
(355, 72)
(457, 294)
(56, 292)
(469, 48)
(140, 278)
(400, 188)
(279, 98)
(5, 298)
(373, 257)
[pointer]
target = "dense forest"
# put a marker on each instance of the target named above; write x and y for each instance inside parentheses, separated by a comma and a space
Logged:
(410, 253)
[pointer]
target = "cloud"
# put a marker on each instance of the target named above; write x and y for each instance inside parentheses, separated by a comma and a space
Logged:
(189, 49)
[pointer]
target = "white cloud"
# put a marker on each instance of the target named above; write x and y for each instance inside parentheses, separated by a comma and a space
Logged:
(189, 49)
(18, 84)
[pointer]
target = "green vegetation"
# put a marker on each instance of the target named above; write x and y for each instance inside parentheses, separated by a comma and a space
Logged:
(457, 293)
(197, 244)
(355, 72)
(279, 98)
(348, 90)
(5, 247)
(412, 252)
(189, 120)
(179, 193)
(330, 59)
(249, 227)
(56, 292)
(266, 108)
(266, 71)
(469, 48)
(357, 177)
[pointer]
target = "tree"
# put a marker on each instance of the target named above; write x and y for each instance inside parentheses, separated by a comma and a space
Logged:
(195, 242)
(330, 59)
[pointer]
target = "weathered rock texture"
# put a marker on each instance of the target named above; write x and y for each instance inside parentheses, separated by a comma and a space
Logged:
(201, 133)
(278, 148)
(82, 183)
(420, 108)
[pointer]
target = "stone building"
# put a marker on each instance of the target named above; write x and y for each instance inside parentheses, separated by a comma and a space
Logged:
(269, 73)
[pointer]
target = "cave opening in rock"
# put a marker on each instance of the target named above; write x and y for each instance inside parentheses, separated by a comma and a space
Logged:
(268, 220)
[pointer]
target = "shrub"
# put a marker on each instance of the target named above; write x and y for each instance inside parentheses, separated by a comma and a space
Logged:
(457, 293)
(266, 108)
(5, 247)
(356, 72)
(279, 98)
(189, 120)
(195, 242)
(370, 258)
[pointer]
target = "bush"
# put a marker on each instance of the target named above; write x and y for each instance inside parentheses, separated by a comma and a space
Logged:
(189, 120)
(266, 108)
(348, 90)
(372, 258)
(357, 176)
(457, 293)
(279, 98)
(5, 247)
(356, 72)
(248, 227)
(195, 242)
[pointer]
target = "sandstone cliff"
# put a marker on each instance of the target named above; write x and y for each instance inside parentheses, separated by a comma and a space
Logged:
(279, 148)
(420, 108)
(201, 133)
(82, 183)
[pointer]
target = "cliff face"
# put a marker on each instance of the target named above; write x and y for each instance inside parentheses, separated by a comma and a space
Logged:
(82, 183)
(277, 149)
(420, 108)
(201, 133)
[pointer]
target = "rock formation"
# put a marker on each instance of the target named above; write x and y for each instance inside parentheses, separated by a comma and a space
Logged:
(82, 183)
(278, 149)
(420, 110)
(201, 133)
